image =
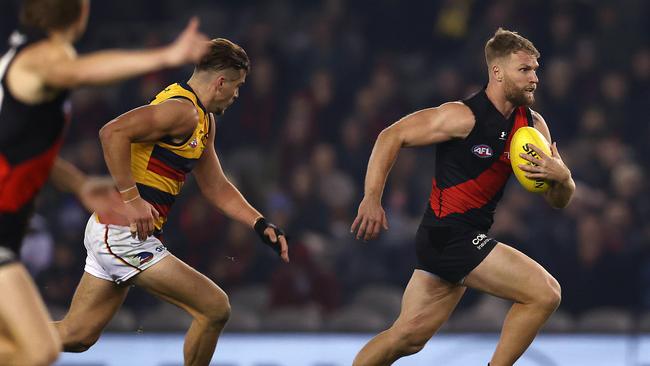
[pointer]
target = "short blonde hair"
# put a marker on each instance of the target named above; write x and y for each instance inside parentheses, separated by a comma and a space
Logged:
(505, 42)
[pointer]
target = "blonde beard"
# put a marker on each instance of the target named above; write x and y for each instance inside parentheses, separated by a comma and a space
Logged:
(516, 96)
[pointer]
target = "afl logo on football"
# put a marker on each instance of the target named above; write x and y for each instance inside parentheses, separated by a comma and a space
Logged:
(482, 151)
(194, 143)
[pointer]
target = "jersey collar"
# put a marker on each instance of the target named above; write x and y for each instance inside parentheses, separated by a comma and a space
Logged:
(187, 87)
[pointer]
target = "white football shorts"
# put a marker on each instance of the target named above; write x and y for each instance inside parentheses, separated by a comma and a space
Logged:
(113, 255)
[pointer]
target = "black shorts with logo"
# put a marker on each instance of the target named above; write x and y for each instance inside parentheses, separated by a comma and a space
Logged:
(451, 252)
(13, 227)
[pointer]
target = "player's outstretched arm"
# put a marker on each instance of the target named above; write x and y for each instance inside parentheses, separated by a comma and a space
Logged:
(221, 193)
(150, 123)
(67, 177)
(97, 194)
(551, 168)
(424, 127)
(61, 68)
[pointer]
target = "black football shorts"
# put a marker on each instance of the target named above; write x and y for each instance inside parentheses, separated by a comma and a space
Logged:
(451, 252)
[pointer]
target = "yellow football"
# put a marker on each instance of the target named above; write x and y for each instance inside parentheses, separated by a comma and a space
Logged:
(519, 144)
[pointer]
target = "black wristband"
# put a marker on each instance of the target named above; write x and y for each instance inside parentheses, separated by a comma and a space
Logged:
(260, 226)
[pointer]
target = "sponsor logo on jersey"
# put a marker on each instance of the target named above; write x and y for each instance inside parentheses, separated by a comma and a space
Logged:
(503, 136)
(144, 257)
(482, 151)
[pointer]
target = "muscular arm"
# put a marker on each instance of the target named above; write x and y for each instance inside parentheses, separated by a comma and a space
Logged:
(425, 127)
(173, 117)
(52, 65)
(67, 71)
(219, 191)
(559, 175)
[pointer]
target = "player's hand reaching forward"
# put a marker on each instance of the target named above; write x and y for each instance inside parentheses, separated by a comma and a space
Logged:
(546, 167)
(370, 219)
(190, 46)
(272, 236)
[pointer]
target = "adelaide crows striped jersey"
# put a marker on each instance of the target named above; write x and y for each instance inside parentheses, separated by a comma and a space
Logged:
(159, 168)
(471, 173)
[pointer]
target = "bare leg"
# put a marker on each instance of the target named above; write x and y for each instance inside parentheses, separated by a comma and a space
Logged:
(176, 282)
(27, 336)
(94, 303)
(426, 305)
(509, 274)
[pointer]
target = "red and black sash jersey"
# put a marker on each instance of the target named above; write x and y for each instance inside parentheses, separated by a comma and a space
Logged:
(30, 134)
(471, 173)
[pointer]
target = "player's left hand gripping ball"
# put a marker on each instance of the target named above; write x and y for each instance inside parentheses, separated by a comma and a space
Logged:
(528, 149)
(273, 236)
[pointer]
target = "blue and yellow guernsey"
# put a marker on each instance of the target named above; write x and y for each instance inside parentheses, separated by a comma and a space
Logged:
(159, 168)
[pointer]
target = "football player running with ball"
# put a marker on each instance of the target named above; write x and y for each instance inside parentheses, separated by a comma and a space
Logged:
(472, 168)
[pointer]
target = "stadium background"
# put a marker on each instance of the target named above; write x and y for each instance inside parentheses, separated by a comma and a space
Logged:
(326, 77)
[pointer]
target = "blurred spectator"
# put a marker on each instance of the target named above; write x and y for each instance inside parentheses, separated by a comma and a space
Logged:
(310, 212)
(304, 282)
(299, 133)
(353, 149)
(335, 189)
(202, 228)
(560, 110)
(256, 114)
(238, 260)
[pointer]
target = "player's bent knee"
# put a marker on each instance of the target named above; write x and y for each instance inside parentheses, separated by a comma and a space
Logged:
(556, 297)
(217, 312)
(411, 339)
(219, 316)
(412, 346)
(551, 296)
(411, 343)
